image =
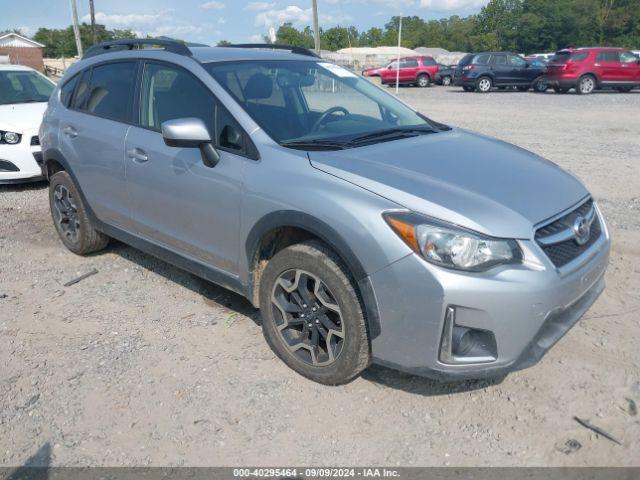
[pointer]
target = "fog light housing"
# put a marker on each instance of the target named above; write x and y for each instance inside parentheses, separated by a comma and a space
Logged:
(465, 345)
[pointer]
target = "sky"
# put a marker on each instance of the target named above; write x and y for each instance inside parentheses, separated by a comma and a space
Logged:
(209, 21)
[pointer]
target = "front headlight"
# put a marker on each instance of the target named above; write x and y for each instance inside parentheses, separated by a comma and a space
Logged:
(451, 246)
(10, 137)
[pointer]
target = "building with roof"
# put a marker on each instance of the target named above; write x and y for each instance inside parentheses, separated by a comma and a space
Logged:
(21, 50)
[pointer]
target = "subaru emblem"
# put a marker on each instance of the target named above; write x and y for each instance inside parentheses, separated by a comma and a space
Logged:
(581, 230)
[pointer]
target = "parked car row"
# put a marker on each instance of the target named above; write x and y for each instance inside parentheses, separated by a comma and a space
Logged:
(582, 69)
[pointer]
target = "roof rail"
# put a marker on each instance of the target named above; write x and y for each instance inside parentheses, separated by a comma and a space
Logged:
(274, 46)
(172, 46)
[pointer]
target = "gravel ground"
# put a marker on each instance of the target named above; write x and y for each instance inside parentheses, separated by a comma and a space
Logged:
(143, 364)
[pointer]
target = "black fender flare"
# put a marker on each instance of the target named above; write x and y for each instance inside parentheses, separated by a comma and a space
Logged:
(326, 233)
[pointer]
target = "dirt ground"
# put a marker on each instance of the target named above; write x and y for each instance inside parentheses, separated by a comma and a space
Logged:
(143, 364)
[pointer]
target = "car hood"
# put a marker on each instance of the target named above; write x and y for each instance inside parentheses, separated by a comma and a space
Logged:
(19, 117)
(464, 178)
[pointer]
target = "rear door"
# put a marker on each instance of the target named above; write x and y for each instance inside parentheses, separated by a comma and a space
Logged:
(502, 70)
(92, 136)
(409, 69)
(177, 201)
(608, 67)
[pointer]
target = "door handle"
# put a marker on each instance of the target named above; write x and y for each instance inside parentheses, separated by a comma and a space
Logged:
(70, 132)
(137, 155)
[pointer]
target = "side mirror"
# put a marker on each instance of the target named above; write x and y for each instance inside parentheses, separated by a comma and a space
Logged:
(191, 133)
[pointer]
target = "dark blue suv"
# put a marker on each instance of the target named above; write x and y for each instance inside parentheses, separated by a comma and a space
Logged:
(483, 71)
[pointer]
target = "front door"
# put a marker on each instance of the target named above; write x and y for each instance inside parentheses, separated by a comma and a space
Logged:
(629, 67)
(175, 200)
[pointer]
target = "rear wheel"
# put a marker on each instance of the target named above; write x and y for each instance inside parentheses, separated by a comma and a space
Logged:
(70, 217)
(312, 315)
(423, 81)
(446, 80)
(484, 84)
(586, 85)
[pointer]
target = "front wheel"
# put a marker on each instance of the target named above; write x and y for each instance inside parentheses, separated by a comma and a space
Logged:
(540, 85)
(484, 84)
(312, 315)
(446, 80)
(586, 85)
(423, 81)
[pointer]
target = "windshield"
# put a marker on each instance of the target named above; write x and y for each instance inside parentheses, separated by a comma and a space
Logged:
(23, 87)
(298, 101)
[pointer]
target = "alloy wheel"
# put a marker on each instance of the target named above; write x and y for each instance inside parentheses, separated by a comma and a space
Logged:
(446, 81)
(587, 85)
(423, 81)
(66, 213)
(484, 85)
(308, 318)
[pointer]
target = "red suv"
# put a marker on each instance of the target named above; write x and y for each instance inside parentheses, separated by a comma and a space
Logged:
(586, 69)
(419, 71)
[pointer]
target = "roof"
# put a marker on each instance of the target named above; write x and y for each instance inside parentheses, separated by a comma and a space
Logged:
(16, 40)
(221, 54)
(378, 51)
(15, 68)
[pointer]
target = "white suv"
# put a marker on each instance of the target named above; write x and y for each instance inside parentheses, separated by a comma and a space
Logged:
(24, 94)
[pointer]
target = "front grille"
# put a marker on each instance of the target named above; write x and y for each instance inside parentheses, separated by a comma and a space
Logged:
(35, 140)
(568, 249)
(7, 166)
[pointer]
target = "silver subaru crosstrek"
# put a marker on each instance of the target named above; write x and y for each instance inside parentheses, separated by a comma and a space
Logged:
(364, 231)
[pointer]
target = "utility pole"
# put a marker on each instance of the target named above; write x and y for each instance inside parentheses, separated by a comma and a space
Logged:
(76, 28)
(316, 30)
(398, 59)
(94, 33)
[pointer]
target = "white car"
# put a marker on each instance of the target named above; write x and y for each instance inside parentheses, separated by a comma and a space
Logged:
(24, 94)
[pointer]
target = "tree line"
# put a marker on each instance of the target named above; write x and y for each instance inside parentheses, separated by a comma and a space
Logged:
(518, 25)
(525, 26)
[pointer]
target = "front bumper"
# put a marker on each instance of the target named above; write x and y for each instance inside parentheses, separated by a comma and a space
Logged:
(527, 307)
(22, 162)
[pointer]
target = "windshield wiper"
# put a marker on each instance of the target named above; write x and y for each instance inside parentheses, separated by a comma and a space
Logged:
(391, 134)
(315, 145)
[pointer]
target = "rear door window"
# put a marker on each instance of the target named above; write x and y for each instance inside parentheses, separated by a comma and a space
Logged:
(409, 63)
(608, 57)
(428, 61)
(66, 92)
(111, 91)
(82, 91)
(500, 60)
